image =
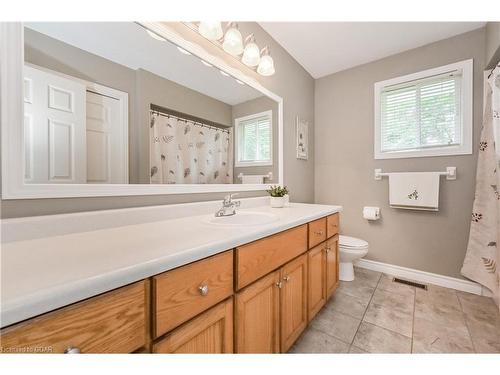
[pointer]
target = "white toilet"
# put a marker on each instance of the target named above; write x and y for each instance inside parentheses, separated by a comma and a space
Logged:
(351, 249)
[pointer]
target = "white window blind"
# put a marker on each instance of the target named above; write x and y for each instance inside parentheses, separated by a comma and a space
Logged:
(421, 114)
(254, 139)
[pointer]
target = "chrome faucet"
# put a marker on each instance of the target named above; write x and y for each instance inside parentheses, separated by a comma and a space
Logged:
(228, 206)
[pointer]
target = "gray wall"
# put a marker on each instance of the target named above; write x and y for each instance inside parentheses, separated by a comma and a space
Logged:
(428, 241)
(249, 108)
(492, 44)
(291, 82)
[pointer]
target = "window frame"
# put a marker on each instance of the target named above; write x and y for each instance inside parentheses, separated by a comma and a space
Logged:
(238, 134)
(466, 105)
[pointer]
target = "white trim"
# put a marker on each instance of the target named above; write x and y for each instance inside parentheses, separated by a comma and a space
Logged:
(466, 92)
(11, 108)
(237, 162)
(424, 277)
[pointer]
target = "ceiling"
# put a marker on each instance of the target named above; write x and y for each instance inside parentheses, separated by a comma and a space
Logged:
(324, 48)
(127, 43)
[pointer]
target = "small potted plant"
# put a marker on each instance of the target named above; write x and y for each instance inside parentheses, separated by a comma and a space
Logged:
(277, 194)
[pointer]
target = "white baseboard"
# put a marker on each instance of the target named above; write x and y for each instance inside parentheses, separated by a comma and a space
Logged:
(424, 277)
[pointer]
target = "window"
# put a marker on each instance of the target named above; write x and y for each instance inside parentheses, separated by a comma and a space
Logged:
(254, 140)
(425, 114)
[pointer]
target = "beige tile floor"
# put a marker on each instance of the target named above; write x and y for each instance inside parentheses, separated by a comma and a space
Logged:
(372, 314)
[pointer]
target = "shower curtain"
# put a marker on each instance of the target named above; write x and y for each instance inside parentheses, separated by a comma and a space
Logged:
(483, 252)
(185, 152)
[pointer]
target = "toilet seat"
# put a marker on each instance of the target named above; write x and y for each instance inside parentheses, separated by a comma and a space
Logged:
(352, 243)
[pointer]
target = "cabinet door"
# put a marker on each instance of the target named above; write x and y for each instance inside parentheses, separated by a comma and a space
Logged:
(257, 316)
(332, 265)
(293, 298)
(210, 332)
(317, 279)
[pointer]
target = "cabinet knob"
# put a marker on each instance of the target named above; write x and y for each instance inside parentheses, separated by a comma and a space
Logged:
(286, 278)
(203, 289)
(279, 284)
(328, 249)
(72, 350)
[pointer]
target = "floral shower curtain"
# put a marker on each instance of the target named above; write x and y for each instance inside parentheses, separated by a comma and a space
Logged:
(483, 251)
(185, 152)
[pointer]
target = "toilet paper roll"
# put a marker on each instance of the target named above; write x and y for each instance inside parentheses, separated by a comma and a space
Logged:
(371, 213)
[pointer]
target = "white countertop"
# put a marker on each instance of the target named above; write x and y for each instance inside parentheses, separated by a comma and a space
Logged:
(42, 274)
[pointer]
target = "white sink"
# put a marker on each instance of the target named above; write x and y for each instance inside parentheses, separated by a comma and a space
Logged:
(244, 218)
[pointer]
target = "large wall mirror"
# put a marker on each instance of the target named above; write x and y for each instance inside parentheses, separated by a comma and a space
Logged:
(119, 108)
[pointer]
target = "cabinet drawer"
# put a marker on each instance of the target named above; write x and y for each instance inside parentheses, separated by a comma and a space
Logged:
(209, 333)
(258, 258)
(114, 322)
(178, 295)
(332, 225)
(317, 232)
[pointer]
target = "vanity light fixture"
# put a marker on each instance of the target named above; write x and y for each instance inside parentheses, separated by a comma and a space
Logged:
(155, 36)
(212, 30)
(251, 53)
(266, 65)
(233, 41)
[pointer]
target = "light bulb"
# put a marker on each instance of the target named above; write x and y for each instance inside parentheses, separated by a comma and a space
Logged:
(266, 66)
(210, 30)
(251, 54)
(233, 41)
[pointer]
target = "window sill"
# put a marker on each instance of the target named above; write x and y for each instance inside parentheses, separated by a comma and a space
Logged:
(444, 151)
(240, 164)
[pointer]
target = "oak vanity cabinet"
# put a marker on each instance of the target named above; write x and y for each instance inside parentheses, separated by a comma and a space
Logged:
(113, 322)
(293, 301)
(317, 280)
(257, 316)
(271, 312)
(209, 333)
(332, 265)
(322, 262)
(257, 298)
(192, 291)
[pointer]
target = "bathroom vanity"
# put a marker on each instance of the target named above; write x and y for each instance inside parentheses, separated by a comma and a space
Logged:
(254, 297)
(164, 279)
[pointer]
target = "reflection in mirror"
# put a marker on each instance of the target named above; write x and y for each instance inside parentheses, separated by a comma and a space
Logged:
(115, 103)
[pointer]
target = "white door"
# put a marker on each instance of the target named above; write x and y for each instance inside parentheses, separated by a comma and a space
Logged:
(107, 148)
(54, 128)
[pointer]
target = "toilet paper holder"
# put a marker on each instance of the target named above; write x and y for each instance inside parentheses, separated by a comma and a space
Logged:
(371, 213)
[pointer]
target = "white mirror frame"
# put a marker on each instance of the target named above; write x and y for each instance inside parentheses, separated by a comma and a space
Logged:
(12, 114)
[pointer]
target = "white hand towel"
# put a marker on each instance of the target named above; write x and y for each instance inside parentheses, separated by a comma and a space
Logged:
(414, 191)
(252, 179)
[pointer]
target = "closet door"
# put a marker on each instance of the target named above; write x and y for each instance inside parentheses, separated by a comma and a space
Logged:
(293, 306)
(317, 279)
(257, 316)
(54, 128)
